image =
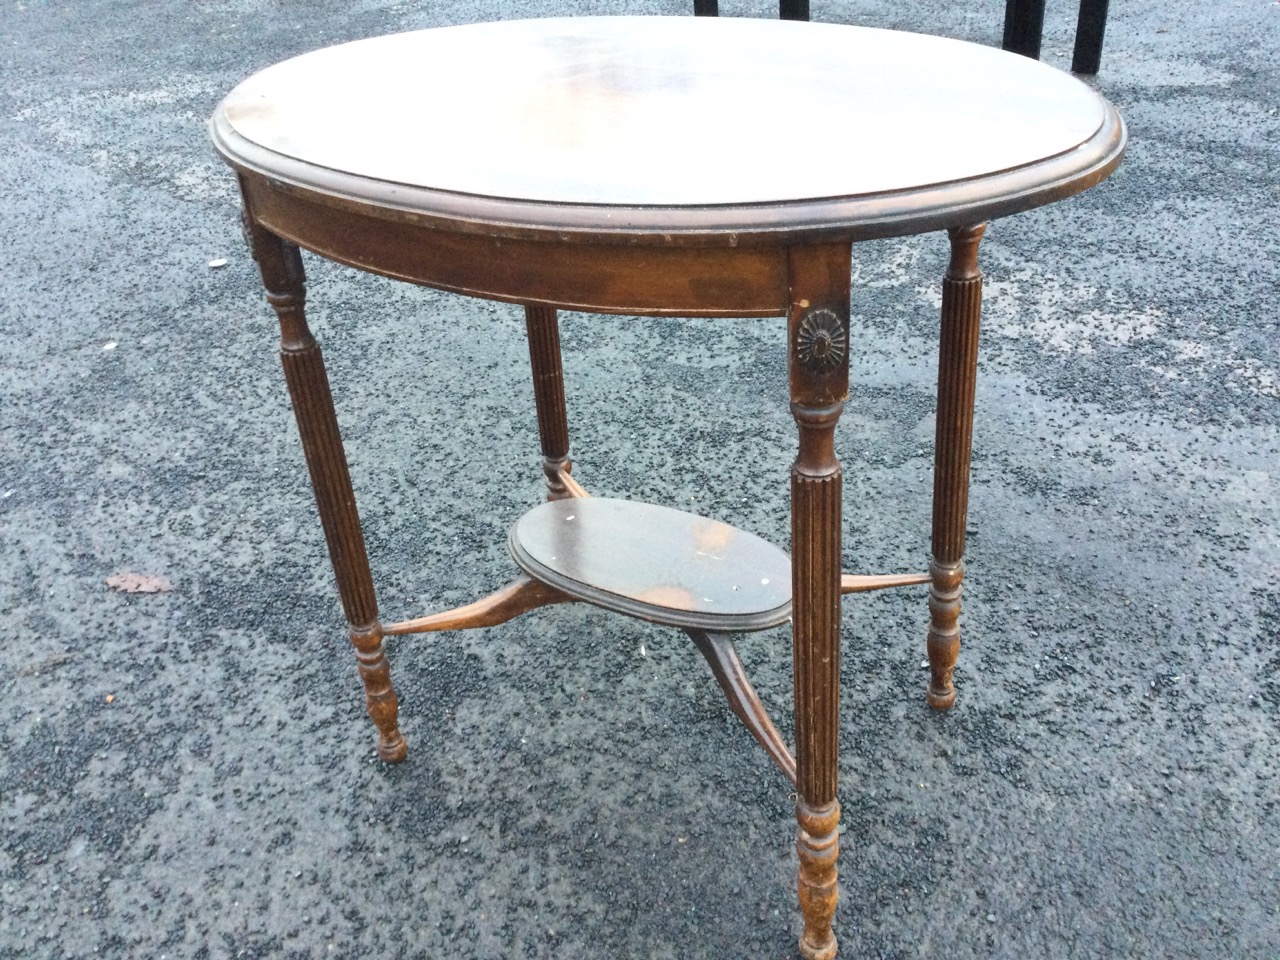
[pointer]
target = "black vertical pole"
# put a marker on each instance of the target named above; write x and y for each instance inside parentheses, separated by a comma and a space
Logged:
(1023, 27)
(1089, 30)
(793, 9)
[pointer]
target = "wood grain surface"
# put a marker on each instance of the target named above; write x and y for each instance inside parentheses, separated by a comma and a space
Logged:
(656, 563)
(620, 122)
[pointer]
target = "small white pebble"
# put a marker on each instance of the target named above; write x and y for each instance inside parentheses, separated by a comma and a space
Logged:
(216, 264)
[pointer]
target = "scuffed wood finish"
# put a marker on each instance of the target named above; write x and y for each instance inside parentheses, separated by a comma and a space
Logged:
(726, 667)
(818, 331)
(957, 382)
(818, 845)
(582, 168)
(571, 486)
(611, 279)
(609, 110)
(865, 583)
(655, 563)
(516, 598)
(282, 275)
(620, 124)
(548, 396)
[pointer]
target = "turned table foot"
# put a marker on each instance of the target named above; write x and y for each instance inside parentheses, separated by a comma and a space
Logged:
(281, 266)
(957, 381)
(589, 181)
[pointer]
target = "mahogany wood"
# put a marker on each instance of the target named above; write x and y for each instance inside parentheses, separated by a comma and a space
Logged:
(612, 279)
(864, 583)
(579, 170)
(520, 596)
(957, 382)
(613, 117)
(571, 486)
(655, 563)
(818, 360)
(282, 275)
(591, 104)
(726, 667)
(548, 396)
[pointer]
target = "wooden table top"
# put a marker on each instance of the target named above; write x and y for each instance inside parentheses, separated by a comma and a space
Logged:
(679, 114)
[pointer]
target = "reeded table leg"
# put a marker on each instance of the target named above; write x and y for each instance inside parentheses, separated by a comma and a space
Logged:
(548, 396)
(818, 330)
(281, 268)
(957, 380)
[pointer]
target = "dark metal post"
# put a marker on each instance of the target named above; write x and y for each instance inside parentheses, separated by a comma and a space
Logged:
(793, 9)
(1092, 24)
(1023, 27)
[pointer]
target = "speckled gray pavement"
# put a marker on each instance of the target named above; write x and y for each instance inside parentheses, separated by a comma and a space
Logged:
(191, 774)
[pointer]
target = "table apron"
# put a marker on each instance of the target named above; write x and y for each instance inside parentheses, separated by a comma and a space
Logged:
(602, 278)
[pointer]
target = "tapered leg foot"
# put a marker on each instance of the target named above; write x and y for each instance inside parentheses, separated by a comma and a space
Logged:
(944, 632)
(548, 394)
(379, 695)
(282, 275)
(818, 844)
(818, 327)
(957, 383)
(395, 751)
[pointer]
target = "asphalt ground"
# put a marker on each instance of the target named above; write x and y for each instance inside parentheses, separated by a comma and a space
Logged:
(190, 773)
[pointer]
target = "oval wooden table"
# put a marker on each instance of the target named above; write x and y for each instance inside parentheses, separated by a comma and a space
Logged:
(661, 166)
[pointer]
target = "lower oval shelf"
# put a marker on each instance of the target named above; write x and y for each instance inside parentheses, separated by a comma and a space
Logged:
(655, 563)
